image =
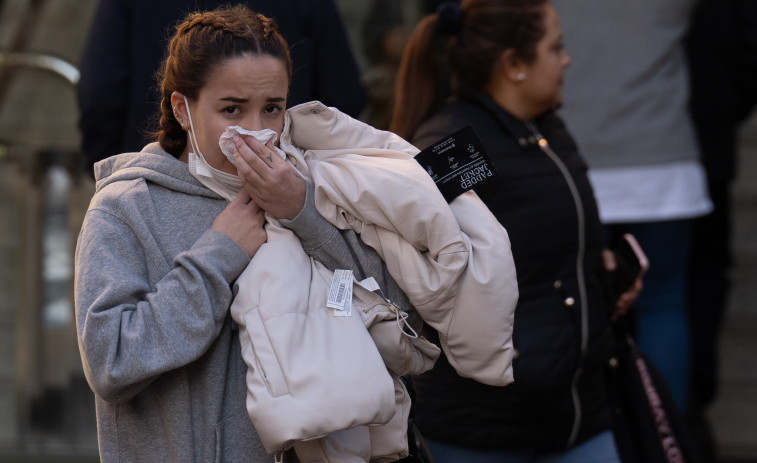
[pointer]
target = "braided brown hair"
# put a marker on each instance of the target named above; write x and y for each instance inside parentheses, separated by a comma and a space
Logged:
(202, 41)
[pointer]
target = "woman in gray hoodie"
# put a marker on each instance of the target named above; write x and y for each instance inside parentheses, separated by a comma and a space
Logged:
(168, 231)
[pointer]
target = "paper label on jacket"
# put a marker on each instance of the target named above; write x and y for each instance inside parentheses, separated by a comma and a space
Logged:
(340, 293)
(457, 163)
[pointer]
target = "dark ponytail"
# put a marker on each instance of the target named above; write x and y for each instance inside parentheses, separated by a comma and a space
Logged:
(478, 31)
(418, 80)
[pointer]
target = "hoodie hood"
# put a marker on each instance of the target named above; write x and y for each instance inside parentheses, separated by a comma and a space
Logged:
(152, 164)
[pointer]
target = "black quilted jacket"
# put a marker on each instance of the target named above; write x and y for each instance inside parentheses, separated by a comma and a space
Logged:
(561, 333)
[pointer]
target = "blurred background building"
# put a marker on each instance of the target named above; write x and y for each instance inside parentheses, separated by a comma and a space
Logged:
(46, 407)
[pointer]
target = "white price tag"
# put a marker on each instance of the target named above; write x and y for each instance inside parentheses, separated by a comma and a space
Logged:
(340, 293)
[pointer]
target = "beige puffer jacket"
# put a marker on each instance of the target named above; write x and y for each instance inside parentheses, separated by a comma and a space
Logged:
(453, 262)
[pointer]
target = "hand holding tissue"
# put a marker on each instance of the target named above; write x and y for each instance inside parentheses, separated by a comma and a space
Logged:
(226, 142)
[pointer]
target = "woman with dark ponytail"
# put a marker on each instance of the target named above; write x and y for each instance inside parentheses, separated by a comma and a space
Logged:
(502, 68)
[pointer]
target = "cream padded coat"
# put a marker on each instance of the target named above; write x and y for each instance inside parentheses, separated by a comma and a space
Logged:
(452, 260)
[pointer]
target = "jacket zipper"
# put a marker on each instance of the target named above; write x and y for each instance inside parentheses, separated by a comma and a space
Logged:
(544, 145)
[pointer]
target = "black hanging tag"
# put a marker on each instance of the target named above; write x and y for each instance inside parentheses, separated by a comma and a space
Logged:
(457, 163)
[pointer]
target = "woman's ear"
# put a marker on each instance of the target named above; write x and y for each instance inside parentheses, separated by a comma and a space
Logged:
(511, 67)
(179, 106)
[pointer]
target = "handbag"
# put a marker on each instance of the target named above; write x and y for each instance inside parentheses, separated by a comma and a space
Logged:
(647, 424)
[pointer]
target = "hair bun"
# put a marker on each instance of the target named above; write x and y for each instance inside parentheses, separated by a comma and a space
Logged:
(450, 18)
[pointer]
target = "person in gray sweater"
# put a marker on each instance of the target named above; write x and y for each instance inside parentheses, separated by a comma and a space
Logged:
(626, 100)
(168, 231)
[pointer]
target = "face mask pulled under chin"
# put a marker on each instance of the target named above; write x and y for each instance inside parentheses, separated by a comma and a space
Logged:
(222, 183)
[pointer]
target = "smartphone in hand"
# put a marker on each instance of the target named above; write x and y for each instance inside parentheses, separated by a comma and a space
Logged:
(631, 262)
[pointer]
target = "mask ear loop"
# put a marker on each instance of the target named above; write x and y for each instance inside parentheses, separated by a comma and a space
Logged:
(192, 137)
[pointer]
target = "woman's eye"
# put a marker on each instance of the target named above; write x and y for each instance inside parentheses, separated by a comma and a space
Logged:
(272, 109)
(234, 109)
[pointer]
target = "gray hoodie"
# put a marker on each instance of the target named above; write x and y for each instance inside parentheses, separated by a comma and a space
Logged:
(152, 293)
(153, 290)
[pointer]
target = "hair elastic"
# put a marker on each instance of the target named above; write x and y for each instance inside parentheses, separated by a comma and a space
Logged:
(450, 18)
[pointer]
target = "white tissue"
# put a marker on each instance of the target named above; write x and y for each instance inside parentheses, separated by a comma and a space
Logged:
(227, 143)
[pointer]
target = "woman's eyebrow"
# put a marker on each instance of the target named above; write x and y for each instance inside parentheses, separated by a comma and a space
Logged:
(234, 99)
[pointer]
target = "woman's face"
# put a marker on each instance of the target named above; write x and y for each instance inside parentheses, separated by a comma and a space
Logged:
(544, 75)
(249, 91)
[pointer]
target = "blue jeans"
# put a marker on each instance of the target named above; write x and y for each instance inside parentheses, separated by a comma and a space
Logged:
(598, 449)
(662, 326)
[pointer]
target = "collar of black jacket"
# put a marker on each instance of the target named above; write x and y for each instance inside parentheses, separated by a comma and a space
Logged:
(517, 128)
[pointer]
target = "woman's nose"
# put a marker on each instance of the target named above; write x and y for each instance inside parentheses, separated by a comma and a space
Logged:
(253, 122)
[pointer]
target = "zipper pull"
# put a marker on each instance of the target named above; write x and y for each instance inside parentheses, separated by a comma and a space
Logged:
(540, 140)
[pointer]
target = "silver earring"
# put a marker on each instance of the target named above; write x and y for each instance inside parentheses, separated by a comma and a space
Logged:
(521, 76)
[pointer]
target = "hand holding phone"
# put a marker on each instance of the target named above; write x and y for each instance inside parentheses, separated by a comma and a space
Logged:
(630, 265)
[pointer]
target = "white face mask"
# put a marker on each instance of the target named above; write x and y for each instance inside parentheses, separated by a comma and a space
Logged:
(225, 184)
